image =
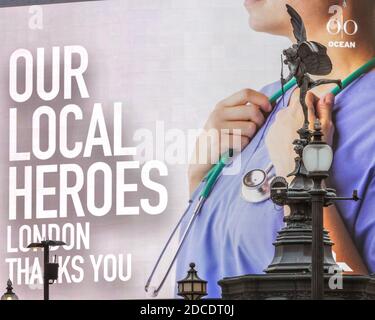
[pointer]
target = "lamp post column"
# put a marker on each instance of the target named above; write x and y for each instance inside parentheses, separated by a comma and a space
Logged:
(45, 277)
(317, 202)
(317, 157)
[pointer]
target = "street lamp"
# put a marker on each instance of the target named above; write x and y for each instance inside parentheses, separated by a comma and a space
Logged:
(306, 195)
(192, 287)
(9, 294)
(317, 158)
(50, 269)
(303, 249)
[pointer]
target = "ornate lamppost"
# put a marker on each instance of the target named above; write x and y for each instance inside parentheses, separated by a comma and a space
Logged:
(9, 294)
(312, 165)
(192, 287)
(293, 246)
(51, 270)
(317, 157)
(303, 249)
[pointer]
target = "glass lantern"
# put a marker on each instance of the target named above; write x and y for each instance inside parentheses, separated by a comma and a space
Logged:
(9, 294)
(192, 287)
(317, 156)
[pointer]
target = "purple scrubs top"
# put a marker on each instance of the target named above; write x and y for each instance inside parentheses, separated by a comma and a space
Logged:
(232, 237)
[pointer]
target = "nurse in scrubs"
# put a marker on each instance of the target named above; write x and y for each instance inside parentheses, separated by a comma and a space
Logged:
(234, 237)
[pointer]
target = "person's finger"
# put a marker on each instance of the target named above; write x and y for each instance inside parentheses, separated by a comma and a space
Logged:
(247, 96)
(324, 108)
(243, 128)
(311, 101)
(237, 143)
(244, 113)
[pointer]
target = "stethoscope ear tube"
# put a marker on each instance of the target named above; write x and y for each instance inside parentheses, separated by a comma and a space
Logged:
(209, 182)
(155, 290)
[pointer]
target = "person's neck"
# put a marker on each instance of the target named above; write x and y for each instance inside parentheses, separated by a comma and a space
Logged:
(344, 60)
(347, 60)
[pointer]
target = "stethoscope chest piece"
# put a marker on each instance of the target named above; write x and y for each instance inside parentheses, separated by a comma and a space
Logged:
(256, 186)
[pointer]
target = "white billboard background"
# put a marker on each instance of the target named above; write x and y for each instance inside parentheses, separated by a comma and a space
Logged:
(164, 60)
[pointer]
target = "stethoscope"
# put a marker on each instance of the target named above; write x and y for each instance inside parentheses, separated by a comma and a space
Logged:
(255, 183)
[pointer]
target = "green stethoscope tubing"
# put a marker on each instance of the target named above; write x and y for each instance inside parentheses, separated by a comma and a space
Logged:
(214, 173)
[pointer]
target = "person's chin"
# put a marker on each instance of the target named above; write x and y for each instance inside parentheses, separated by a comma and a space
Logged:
(252, 25)
(256, 25)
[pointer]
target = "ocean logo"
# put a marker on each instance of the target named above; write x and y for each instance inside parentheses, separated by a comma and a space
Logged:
(337, 25)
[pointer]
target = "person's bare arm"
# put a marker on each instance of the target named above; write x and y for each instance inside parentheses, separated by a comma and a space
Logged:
(344, 247)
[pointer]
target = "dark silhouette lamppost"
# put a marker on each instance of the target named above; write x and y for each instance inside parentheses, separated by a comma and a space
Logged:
(317, 157)
(306, 197)
(9, 294)
(192, 287)
(303, 256)
(51, 270)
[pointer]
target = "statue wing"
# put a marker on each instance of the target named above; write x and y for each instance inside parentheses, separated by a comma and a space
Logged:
(299, 29)
(315, 58)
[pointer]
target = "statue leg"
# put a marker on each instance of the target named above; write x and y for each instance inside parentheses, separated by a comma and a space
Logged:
(302, 98)
(320, 82)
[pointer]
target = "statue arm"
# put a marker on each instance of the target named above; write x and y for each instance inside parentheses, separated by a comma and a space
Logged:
(290, 77)
(293, 68)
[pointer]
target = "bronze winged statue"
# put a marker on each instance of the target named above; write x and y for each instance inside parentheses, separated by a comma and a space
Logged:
(304, 58)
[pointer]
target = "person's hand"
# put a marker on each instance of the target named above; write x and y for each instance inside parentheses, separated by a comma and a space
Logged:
(232, 124)
(283, 131)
